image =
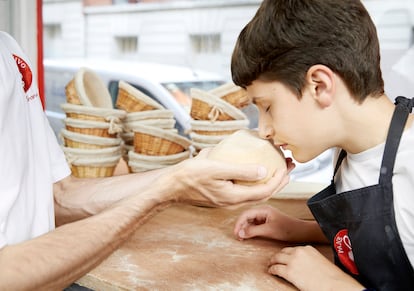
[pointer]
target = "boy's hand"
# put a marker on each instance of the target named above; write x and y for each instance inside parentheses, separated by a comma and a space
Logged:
(308, 269)
(263, 221)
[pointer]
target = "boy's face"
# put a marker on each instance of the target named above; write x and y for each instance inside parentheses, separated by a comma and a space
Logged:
(293, 124)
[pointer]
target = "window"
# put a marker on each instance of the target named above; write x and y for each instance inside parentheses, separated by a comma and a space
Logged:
(205, 43)
(115, 2)
(52, 35)
(127, 44)
(52, 31)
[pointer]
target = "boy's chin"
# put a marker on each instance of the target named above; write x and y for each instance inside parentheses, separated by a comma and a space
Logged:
(302, 157)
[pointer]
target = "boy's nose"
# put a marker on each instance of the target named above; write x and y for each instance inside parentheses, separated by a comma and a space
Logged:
(266, 131)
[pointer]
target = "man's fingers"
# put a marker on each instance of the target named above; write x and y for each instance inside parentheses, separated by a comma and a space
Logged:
(230, 171)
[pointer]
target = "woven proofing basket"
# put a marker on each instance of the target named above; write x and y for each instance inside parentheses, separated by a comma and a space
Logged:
(125, 150)
(76, 153)
(162, 160)
(207, 106)
(84, 141)
(128, 138)
(149, 114)
(72, 96)
(131, 99)
(204, 127)
(160, 123)
(91, 127)
(93, 113)
(87, 88)
(137, 167)
(235, 95)
(154, 141)
(94, 167)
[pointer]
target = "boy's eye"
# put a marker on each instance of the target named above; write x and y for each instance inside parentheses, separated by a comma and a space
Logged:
(267, 109)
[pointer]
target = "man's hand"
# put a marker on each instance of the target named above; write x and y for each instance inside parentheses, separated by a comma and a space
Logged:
(204, 182)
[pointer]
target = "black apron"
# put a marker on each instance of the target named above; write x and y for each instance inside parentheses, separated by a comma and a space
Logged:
(360, 224)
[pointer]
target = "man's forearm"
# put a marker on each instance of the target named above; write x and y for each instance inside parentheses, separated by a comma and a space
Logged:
(80, 198)
(55, 260)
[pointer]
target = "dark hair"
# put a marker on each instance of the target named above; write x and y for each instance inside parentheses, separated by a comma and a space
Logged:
(286, 37)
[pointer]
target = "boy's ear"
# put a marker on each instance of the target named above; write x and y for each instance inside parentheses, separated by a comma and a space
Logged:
(321, 82)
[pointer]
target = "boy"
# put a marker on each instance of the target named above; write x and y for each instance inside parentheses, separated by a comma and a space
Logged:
(313, 69)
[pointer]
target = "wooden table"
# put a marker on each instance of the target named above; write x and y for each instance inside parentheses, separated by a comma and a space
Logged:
(193, 248)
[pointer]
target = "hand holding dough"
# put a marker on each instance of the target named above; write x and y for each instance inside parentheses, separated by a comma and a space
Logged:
(246, 147)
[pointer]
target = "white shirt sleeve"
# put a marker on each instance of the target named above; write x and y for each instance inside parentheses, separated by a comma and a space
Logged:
(31, 159)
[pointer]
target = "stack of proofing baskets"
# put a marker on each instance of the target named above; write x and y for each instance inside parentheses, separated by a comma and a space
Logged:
(216, 114)
(91, 141)
(151, 140)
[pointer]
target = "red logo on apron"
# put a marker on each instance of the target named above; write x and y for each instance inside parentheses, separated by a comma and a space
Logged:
(343, 248)
(24, 69)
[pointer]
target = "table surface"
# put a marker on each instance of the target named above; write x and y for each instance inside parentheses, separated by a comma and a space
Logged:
(193, 248)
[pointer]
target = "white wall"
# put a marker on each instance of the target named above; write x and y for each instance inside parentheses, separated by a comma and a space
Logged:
(163, 29)
(394, 20)
(68, 20)
(5, 15)
(164, 34)
(395, 24)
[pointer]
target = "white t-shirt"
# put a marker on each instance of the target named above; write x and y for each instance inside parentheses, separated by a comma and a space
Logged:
(30, 157)
(362, 169)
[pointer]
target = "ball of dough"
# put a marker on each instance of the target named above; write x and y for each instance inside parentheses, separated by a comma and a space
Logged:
(246, 147)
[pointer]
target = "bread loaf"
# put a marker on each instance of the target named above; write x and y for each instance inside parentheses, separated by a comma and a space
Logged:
(246, 147)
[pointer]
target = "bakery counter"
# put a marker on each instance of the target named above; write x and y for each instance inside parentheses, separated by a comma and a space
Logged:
(193, 248)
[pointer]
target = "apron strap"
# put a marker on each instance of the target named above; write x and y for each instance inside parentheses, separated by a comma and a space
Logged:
(402, 109)
(408, 103)
(342, 155)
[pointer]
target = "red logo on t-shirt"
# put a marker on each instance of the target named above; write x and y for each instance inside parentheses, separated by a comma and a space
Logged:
(24, 69)
(343, 248)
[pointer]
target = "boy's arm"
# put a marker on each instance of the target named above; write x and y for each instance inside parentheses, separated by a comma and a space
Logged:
(270, 222)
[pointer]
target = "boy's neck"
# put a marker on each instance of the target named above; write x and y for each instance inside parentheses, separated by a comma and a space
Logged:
(366, 125)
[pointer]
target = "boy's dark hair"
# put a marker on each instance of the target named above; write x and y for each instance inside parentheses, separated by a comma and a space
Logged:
(286, 37)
